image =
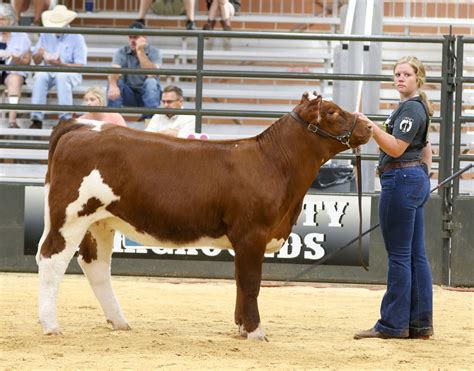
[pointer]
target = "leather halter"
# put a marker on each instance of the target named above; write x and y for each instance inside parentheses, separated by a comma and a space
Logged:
(343, 138)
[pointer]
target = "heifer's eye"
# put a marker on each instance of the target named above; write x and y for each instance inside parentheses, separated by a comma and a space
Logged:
(331, 112)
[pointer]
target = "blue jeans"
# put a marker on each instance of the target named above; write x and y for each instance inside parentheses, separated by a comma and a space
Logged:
(149, 96)
(65, 84)
(407, 306)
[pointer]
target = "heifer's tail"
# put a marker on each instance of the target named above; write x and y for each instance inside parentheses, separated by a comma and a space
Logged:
(59, 130)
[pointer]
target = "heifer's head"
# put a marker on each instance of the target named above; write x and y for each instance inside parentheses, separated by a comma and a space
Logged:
(328, 120)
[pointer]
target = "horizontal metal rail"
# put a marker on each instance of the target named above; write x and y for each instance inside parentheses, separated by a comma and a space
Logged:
(223, 34)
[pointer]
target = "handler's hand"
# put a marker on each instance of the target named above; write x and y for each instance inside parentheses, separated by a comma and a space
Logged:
(364, 118)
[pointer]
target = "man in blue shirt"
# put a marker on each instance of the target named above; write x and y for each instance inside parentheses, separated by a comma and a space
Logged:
(135, 90)
(57, 50)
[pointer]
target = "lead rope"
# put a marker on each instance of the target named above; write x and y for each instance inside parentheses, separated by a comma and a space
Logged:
(357, 152)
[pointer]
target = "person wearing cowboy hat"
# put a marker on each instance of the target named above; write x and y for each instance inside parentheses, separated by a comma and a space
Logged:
(57, 50)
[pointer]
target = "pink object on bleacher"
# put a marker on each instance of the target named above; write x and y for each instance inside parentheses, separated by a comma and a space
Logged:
(202, 136)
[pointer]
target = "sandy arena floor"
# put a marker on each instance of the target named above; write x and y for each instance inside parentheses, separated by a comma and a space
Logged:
(188, 325)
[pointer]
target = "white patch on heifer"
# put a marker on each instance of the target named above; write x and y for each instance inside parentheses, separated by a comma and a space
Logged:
(51, 271)
(47, 222)
(92, 186)
(311, 95)
(257, 334)
(274, 245)
(97, 125)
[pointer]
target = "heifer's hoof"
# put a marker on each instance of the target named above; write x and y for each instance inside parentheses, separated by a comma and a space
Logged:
(52, 331)
(257, 334)
(242, 331)
(119, 326)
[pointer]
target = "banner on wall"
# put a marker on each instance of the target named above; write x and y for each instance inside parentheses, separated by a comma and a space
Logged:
(326, 222)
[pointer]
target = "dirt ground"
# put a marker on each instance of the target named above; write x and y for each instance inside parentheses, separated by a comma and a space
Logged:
(188, 324)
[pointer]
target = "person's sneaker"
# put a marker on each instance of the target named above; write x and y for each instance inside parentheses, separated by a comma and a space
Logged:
(141, 20)
(190, 25)
(13, 125)
(36, 124)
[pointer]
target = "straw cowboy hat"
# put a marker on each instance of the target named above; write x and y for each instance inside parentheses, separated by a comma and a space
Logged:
(60, 16)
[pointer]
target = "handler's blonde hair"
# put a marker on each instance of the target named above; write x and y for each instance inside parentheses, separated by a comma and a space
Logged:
(99, 93)
(420, 77)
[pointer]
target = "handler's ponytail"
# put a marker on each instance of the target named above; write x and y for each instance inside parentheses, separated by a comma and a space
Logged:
(421, 78)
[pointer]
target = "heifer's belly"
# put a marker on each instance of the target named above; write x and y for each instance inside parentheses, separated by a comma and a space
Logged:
(146, 239)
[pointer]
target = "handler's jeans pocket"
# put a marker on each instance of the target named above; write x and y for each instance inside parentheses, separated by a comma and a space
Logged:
(416, 183)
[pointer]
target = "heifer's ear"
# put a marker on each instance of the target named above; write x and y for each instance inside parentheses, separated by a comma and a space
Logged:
(315, 93)
(305, 97)
(318, 102)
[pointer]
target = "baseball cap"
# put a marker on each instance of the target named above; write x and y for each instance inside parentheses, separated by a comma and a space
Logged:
(137, 25)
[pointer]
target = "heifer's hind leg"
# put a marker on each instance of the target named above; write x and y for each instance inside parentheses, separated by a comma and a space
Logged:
(95, 255)
(248, 265)
(53, 257)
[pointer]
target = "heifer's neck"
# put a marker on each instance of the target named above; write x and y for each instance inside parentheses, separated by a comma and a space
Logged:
(296, 152)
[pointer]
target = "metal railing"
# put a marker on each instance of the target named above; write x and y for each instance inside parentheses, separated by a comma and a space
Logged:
(459, 118)
(446, 80)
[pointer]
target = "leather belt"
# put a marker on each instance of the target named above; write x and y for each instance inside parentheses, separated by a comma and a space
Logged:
(398, 165)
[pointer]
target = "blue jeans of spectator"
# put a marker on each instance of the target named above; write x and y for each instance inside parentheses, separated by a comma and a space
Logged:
(148, 96)
(65, 84)
(407, 306)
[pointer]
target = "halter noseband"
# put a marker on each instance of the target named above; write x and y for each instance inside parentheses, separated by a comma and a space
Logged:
(344, 138)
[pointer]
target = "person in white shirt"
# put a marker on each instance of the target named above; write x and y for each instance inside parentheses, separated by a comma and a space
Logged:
(170, 124)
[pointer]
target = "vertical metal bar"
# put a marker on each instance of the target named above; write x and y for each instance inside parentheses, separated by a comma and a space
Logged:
(406, 13)
(458, 111)
(445, 151)
(199, 83)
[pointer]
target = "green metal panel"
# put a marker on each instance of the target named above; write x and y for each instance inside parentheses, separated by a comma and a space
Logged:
(462, 248)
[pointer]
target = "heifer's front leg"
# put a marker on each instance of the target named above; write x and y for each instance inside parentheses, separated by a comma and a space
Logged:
(238, 313)
(95, 255)
(248, 265)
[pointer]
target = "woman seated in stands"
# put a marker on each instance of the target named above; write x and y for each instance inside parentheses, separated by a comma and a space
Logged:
(225, 8)
(14, 50)
(95, 97)
(39, 6)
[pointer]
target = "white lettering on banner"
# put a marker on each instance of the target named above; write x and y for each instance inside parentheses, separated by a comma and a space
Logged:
(211, 252)
(336, 212)
(291, 248)
(310, 211)
(333, 209)
(312, 241)
(186, 251)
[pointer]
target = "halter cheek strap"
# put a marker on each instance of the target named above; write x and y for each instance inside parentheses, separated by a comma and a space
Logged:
(343, 138)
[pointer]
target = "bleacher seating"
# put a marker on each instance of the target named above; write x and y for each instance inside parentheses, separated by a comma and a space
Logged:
(238, 55)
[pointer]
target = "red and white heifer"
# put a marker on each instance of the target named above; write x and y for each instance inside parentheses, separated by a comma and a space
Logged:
(243, 195)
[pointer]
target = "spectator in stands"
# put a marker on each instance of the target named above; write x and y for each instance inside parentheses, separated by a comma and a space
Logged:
(57, 50)
(14, 50)
(95, 97)
(176, 5)
(39, 6)
(225, 8)
(171, 124)
(135, 90)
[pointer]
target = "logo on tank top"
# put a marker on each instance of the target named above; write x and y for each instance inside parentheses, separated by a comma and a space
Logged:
(406, 124)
